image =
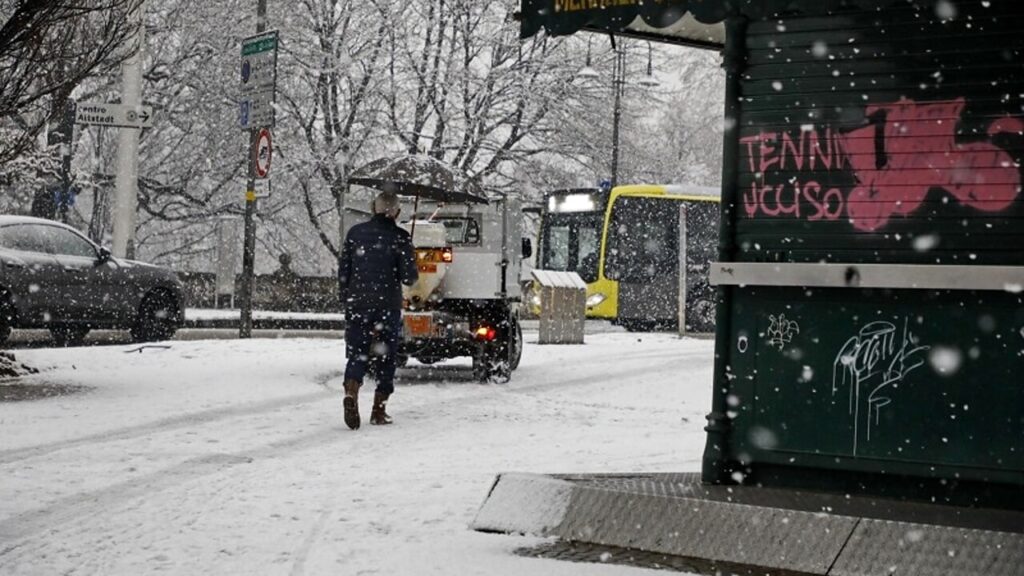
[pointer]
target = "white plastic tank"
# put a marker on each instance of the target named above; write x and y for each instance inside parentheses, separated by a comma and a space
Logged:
(431, 246)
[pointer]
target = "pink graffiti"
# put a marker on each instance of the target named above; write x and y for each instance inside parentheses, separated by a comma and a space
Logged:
(801, 200)
(910, 148)
(781, 152)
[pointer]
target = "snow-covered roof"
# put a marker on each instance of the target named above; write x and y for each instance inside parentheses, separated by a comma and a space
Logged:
(693, 190)
(8, 219)
(559, 279)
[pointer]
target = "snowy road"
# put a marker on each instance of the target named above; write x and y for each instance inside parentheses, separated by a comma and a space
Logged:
(230, 457)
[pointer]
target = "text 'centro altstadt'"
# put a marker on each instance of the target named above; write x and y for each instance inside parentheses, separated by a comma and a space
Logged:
(94, 115)
(579, 5)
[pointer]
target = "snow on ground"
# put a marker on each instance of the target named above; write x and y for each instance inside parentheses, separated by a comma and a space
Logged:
(230, 457)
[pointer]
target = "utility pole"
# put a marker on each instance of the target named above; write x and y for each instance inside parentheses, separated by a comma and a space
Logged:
(67, 132)
(618, 85)
(127, 180)
(249, 245)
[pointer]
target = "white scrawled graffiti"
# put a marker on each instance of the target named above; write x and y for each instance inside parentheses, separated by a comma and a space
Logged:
(781, 330)
(875, 359)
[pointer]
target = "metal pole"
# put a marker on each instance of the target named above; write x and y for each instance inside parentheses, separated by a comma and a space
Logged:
(127, 180)
(682, 270)
(67, 132)
(718, 462)
(249, 246)
(618, 80)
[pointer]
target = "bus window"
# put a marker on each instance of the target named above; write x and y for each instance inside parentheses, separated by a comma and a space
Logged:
(571, 242)
(556, 248)
(642, 239)
(589, 254)
(701, 233)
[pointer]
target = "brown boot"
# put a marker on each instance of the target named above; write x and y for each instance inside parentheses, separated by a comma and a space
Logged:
(351, 404)
(378, 416)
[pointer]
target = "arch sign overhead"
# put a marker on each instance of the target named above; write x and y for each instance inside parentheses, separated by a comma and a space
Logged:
(695, 23)
(688, 22)
(263, 151)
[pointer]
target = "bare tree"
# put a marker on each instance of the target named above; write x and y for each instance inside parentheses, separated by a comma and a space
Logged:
(466, 90)
(681, 141)
(336, 54)
(47, 48)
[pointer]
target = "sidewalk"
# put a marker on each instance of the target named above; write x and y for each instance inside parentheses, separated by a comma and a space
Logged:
(205, 318)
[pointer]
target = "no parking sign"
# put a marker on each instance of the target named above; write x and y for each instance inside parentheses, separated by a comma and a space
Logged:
(263, 152)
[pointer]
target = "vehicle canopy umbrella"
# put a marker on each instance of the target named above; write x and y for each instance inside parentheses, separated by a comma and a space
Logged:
(419, 176)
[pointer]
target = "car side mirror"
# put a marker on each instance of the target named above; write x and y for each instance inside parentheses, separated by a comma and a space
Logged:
(527, 248)
(103, 257)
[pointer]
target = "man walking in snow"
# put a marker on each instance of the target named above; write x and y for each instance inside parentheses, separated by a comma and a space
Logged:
(375, 262)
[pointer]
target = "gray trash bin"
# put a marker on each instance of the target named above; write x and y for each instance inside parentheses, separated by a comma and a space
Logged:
(563, 306)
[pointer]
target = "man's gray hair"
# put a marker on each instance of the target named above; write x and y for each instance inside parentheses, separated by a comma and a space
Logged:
(387, 203)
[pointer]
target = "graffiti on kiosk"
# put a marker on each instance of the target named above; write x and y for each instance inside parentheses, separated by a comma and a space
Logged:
(781, 331)
(869, 365)
(906, 149)
(784, 154)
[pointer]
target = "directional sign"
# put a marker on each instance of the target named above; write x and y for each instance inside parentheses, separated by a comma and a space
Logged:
(263, 153)
(258, 81)
(101, 114)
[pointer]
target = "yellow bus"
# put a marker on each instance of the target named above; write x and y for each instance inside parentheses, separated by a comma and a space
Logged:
(625, 244)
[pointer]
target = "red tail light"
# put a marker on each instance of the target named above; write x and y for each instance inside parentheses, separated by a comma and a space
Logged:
(446, 255)
(485, 333)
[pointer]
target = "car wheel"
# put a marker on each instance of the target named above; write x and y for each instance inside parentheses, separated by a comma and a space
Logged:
(6, 321)
(156, 320)
(64, 336)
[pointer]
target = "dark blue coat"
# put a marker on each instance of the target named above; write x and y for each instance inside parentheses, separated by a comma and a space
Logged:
(376, 260)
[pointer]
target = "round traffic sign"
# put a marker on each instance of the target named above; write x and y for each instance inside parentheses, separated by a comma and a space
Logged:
(263, 153)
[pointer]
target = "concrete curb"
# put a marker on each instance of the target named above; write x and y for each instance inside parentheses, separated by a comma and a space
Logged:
(675, 515)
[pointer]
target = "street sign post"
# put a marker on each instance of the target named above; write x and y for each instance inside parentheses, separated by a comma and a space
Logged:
(258, 76)
(258, 81)
(120, 115)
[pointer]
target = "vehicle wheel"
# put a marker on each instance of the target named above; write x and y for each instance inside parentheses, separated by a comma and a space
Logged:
(492, 364)
(703, 316)
(64, 336)
(156, 319)
(6, 320)
(516, 345)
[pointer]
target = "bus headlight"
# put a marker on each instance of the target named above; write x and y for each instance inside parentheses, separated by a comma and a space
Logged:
(595, 299)
(535, 298)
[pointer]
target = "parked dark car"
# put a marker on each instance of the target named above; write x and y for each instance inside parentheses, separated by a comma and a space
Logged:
(51, 276)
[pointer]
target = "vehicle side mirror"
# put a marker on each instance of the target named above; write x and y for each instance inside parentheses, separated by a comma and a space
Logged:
(527, 248)
(103, 257)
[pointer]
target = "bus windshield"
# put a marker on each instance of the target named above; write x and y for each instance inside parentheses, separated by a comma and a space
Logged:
(571, 242)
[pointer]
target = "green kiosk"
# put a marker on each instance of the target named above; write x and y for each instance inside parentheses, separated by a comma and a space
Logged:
(868, 411)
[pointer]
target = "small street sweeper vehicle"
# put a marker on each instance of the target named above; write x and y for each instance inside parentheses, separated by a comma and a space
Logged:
(469, 250)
